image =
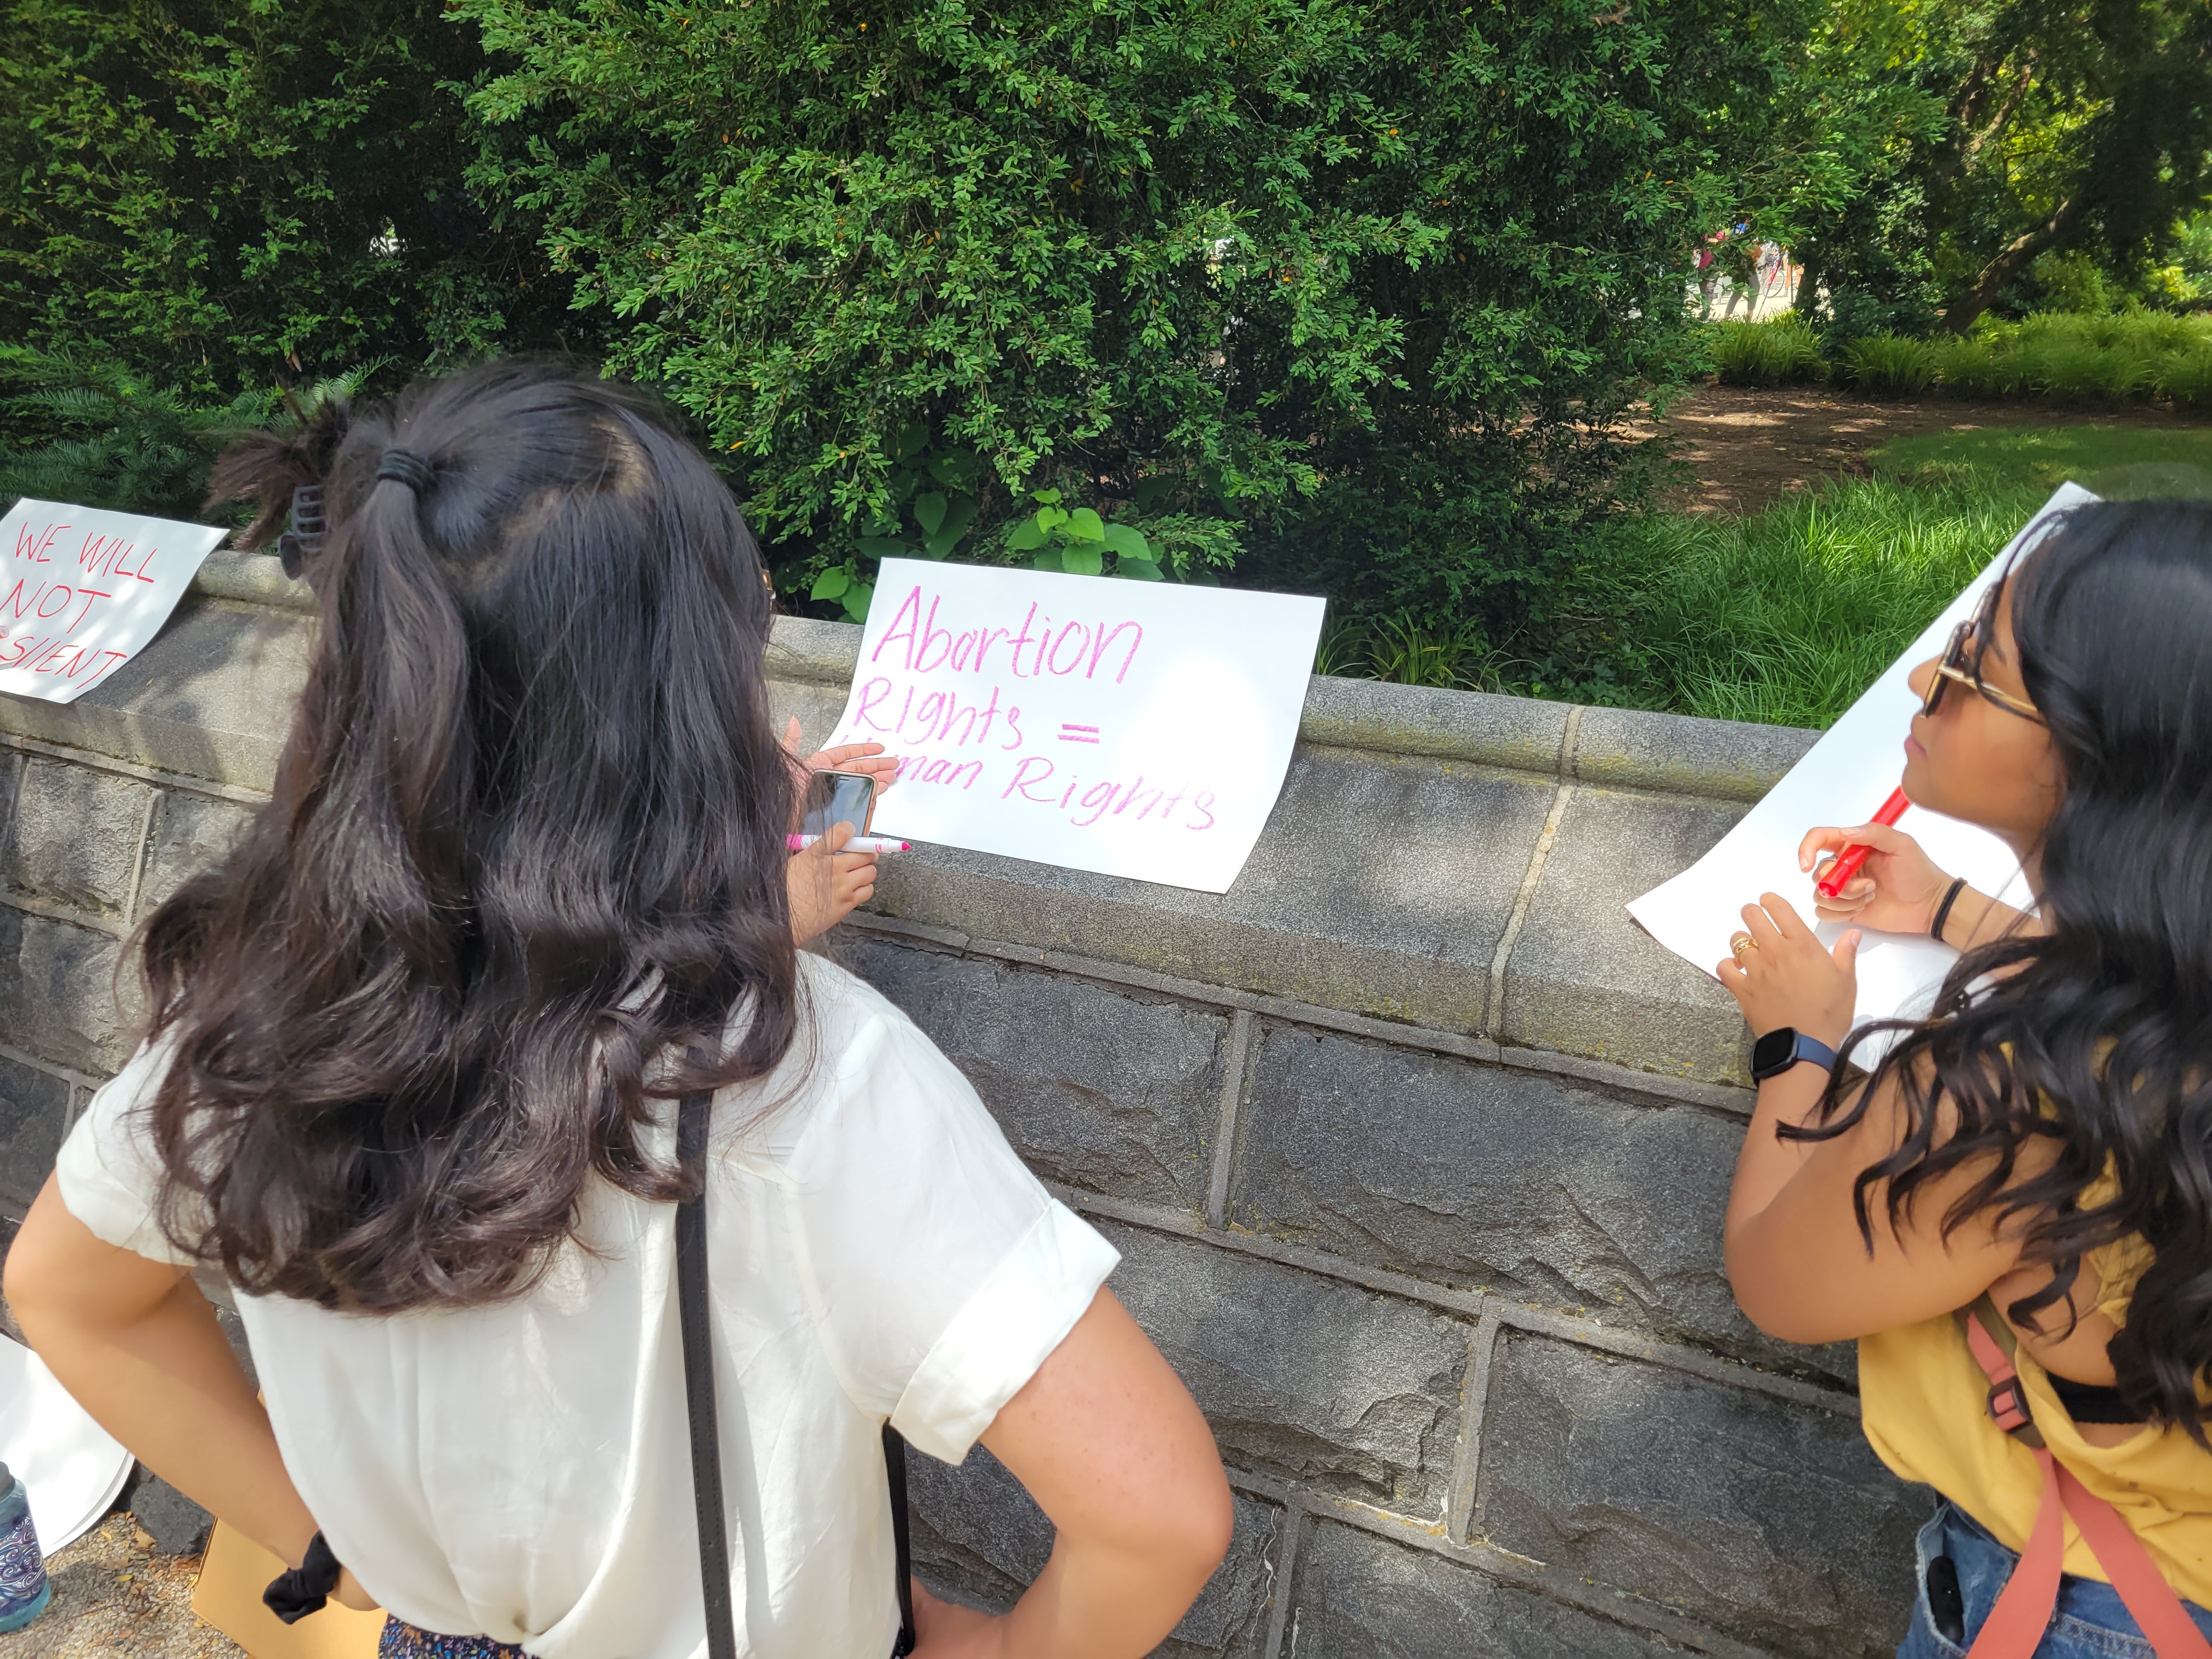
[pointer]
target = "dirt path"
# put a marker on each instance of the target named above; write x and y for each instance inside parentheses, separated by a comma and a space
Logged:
(1746, 447)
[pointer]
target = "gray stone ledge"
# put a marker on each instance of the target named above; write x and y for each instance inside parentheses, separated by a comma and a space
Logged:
(1586, 1331)
(1519, 1571)
(211, 697)
(1719, 1096)
(1669, 753)
(253, 578)
(1677, 754)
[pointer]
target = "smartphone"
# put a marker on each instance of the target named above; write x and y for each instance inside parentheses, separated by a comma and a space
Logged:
(833, 798)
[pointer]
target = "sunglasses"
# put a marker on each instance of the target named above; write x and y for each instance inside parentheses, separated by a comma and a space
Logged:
(1962, 661)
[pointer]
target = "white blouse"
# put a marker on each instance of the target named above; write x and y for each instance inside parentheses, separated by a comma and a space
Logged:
(522, 1471)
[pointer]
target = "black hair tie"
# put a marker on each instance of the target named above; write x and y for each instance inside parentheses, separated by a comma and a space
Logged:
(408, 467)
(298, 1591)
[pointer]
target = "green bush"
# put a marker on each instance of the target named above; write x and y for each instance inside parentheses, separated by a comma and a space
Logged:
(1356, 294)
(1889, 365)
(1779, 352)
(219, 194)
(76, 429)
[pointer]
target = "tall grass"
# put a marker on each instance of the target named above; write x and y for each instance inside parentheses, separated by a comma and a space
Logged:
(2121, 357)
(1779, 352)
(1787, 616)
(1889, 365)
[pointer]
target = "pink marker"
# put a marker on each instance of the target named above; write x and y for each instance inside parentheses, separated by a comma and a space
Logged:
(857, 844)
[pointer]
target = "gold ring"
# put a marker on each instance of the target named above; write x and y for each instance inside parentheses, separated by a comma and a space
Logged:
(1741, 943)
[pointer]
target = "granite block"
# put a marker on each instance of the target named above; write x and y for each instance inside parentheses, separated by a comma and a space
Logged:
(1341, 1389)
(59, 998)
(75, 837)
(1768, 1520)
(1095, 1089)
(1357, 1596)
(1539, 1188)
(34, 1107)
(189, 833)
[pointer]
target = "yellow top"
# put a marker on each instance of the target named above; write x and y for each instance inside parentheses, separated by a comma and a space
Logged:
(1925, 1404)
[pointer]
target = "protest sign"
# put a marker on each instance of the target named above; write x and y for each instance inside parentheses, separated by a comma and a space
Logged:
(1136, 729)
(84, 589)
(1841, 780)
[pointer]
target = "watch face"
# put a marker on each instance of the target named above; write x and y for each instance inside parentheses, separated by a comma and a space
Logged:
(1773, 1051)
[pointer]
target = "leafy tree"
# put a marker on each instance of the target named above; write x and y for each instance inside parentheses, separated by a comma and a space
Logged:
(1362, 287)
(1977, 137)
(222, 192)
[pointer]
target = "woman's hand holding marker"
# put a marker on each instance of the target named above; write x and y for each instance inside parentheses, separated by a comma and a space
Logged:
(1896, 891)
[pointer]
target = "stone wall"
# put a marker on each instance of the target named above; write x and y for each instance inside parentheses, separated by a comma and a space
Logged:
(1414, 1146)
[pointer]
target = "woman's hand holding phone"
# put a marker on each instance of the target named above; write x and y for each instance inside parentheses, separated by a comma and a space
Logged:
(867, 757)
(828, 884)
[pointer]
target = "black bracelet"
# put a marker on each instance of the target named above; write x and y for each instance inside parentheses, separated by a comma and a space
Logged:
(298, 1591)
(1943, 910)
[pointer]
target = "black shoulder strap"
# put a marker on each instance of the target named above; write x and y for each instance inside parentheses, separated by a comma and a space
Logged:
(894, 1471)
(691, 1122)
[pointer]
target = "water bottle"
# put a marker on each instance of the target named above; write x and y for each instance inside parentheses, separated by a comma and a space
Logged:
(24, 1591)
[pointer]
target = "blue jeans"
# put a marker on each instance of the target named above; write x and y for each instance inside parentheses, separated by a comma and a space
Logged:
(2090, 1622)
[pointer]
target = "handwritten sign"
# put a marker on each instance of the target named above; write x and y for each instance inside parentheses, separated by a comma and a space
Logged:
(1136, 729)
(82, 589)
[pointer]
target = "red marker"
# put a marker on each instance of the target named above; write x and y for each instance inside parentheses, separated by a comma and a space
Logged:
(1848, 861)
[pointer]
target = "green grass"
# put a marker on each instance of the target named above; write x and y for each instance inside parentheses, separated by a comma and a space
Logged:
(2110, 460)
(1786, 616)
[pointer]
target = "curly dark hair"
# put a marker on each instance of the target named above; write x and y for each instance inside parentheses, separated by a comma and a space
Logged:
(2094, 1038)
(523, 870)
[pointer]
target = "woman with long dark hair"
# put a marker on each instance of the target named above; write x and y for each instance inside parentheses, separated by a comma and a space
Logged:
(2012, 1210)
(410, 1086)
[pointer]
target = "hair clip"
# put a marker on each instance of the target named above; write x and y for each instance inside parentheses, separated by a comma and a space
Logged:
(304, 540)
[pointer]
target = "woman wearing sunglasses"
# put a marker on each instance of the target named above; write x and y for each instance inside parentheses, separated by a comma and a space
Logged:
(2011, 1209)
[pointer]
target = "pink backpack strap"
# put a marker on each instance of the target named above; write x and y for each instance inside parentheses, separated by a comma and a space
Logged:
(2016, 1624)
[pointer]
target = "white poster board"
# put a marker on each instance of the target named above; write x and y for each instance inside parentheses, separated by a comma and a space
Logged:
(84, 589)
(1841, 780)
(72, 1468)
(1138, 729)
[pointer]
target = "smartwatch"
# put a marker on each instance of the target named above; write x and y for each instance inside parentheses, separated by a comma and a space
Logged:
(1778, 1050)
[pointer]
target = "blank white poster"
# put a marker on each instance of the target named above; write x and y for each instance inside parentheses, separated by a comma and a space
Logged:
(1843, 779)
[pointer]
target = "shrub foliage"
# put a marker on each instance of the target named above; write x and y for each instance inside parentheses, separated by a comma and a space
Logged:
(223, 194)
(1351, 292)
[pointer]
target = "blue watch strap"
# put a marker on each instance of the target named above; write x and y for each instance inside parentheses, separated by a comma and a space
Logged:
(1814, 1049)
(1801, 1047)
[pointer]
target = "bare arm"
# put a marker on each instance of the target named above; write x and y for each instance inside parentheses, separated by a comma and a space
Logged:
(137, 1344)
(1111, 1445)
(1801, 1268)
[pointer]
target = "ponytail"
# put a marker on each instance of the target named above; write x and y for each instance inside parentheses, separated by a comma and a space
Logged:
(521, 880)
